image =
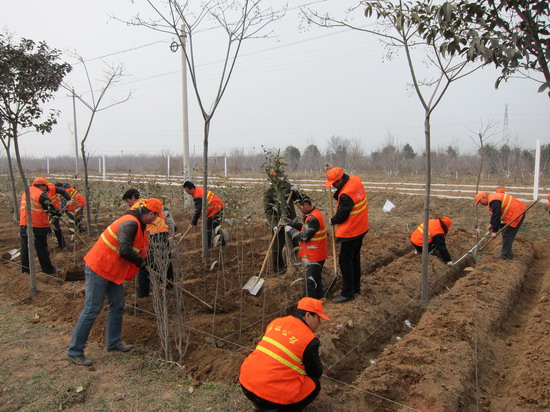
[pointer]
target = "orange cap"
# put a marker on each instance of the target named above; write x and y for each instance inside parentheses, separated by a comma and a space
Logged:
(155, 205)
(40, 181)
(480, 196)
(500, 190)
(312, 305)
(447, 221)
(333, 175)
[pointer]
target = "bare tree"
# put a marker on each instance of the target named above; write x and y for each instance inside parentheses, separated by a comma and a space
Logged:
(30, 74)
(402, 29)
(240, 20)
(112, 75)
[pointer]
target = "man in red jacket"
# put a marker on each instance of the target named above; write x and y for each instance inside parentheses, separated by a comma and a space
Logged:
(117, 256)
(283, 371)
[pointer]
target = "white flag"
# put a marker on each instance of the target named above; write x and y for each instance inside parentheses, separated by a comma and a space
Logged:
(388, 206)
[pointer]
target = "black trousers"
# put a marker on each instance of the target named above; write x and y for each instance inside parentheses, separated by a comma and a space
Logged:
(508, 236)
(314, 280)
(58, 234)
(293, 407)
(350, 266)
(211, 224)
(159, 250)
(41, 246)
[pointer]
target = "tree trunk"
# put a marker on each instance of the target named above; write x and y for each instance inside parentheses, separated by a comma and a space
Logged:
(13, 188)
(205, 245)
(428, 171)
(86, 187)
(30, 233)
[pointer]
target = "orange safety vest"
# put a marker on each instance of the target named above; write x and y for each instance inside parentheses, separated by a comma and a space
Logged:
(358, 221)
(316, 249)
(510, 207)
(40, 216)
(159, 224)
(54, 197)
(434, 228)
(79, 200)
(274, 371)
(215, 204)
(104, 258)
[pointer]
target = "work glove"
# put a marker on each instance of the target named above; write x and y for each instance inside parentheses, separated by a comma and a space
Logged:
(291, 231)
(56, 212)
(143, 264)
(450, 263)
(294, 188)
(285, 221)
(70, 202)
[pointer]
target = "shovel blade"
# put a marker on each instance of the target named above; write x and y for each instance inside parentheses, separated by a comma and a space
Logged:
(254, 285)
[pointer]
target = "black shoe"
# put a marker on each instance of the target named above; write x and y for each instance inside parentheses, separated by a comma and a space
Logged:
(80, 360)
(64, 248)
(54, 273)
(501, 256)
(342, 299)
(121, 347)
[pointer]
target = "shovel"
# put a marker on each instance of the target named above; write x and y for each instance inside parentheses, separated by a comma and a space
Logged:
(255, 283)
(472, 250)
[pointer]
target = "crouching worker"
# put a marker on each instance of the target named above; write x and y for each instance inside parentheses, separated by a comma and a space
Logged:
(283, 371)
(437, 230)
(312, 236)
(117, 256)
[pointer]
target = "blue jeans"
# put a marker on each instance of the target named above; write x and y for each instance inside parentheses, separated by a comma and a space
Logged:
(97, 288)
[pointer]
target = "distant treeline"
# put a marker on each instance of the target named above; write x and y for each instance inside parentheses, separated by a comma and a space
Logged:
(504, 162)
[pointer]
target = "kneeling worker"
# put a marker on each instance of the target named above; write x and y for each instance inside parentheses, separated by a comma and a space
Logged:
(283, 371)
(437, 230)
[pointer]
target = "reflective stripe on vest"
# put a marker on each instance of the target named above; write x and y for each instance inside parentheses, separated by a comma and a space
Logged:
(506, 202)
(421, 229)
(299, 369)
(113, 234)
(359, 207)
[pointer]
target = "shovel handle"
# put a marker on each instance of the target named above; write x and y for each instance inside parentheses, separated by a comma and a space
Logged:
(275, 233)
(333, 238)
(184, 233)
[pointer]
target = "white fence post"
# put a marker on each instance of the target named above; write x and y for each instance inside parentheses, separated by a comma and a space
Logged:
(104, 167)
(537, 171)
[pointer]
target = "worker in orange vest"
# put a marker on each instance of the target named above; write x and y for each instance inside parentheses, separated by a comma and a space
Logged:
(41, 206)
(158, 254)
(312, 238)
(56, 193)
(117, 256)
(283, 371)
(437, 230)
(352, 218)
(505, 209)
(214, 209)
(74, 210)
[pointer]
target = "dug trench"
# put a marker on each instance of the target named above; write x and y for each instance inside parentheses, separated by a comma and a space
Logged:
(393, 349)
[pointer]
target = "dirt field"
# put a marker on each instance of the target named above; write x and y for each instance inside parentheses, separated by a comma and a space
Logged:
(481, 343)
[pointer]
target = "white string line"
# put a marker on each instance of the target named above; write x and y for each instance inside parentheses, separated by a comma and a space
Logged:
(415, 297)
(371, 393)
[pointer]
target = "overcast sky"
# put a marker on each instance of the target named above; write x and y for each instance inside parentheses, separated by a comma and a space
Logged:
(298, 88)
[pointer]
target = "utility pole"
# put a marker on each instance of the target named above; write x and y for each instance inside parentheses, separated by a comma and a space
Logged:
(75, 138)
(185, 118)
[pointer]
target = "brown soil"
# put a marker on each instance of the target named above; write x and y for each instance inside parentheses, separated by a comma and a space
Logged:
(481, 343)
